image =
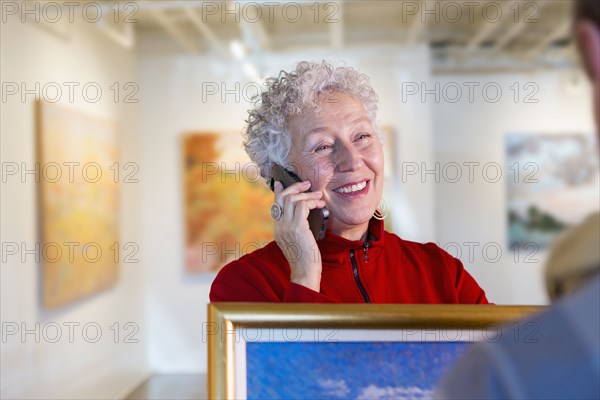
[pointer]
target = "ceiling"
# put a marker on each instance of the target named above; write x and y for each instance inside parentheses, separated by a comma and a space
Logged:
(463, 35)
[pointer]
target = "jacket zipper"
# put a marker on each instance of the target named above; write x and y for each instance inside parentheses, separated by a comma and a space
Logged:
(357, 279)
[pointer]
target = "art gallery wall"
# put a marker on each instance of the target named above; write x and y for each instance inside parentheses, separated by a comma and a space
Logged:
(177, 101)
(472, 215)
(49, 365)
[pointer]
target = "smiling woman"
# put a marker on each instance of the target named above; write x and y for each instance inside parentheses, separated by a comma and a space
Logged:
(319, 123)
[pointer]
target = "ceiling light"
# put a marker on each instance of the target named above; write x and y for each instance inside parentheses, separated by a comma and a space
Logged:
(237, 49)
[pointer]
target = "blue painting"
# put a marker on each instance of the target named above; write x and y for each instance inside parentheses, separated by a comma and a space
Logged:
(348, 370)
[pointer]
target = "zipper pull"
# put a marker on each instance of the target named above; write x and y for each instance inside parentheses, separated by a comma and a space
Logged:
(366, 247)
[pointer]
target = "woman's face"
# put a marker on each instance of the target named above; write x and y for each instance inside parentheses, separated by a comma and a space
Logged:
(337, 149)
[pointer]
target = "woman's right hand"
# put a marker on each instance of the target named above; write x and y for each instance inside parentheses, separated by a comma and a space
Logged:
(293, 234)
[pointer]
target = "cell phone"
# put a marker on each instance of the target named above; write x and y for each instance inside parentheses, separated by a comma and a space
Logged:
(317, 217)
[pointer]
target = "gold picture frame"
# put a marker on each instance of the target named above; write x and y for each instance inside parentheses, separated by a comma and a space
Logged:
(227, 320)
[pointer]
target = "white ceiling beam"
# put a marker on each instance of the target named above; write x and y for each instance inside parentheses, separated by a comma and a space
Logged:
(416, 27)
(173, 30)
(562, 30)
(517, 27)
(254, 33)
(124, 36)
(261, 33)
(336, 28)
(489, 27)
(210, 36)
(255, 36)
(145, 5)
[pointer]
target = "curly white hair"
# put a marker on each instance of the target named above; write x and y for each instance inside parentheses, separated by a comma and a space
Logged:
(267, 138)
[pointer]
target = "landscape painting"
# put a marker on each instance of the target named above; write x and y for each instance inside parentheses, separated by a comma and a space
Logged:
(348, 370)
(226, 202)
(553, 183)
(79, 203)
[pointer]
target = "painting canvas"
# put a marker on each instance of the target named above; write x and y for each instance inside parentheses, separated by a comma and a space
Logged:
(348, 370)
(226, 202)
(78, 203)
(552, 184)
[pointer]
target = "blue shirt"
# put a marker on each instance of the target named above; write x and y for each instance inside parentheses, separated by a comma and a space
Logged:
(560, 360)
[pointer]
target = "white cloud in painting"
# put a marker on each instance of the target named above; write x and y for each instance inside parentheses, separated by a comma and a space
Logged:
(334, 388)
(373, 392)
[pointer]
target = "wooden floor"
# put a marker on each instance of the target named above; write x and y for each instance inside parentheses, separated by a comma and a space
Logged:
(171, 387)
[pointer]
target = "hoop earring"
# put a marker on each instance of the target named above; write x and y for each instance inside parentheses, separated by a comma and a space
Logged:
(378, 215)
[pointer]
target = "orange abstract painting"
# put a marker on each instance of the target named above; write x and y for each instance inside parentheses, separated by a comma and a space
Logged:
(78, 197)
(226, 202)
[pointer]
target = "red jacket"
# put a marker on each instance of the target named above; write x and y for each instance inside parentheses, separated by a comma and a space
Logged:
(386, 270)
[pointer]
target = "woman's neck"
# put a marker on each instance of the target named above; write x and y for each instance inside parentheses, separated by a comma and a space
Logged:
(354, 232)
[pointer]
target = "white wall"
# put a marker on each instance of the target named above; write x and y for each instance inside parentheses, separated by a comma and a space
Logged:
(474, 131)
(173, 104)
(80, 369)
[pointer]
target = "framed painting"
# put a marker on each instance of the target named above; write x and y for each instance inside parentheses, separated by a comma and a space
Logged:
(342, 351)
(553, 183)
(226, 202)
(78, 203)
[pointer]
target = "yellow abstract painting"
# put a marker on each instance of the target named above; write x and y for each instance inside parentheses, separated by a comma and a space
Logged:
(78, 197)
(226, 202)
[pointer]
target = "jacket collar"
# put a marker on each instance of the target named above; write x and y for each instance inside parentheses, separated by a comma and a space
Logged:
(334, 248)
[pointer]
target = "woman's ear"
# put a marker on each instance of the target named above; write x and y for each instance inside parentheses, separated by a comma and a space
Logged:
(588, 40)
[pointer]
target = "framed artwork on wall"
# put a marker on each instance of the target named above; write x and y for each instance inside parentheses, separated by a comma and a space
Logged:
(553, 183)
(78, 203)
(343, 351)
(226, 202)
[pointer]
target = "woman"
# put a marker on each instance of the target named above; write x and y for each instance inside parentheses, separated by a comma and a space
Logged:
(319, 122)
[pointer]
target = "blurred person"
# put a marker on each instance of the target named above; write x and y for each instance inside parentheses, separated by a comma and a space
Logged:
(562, 360)
(318, 122)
